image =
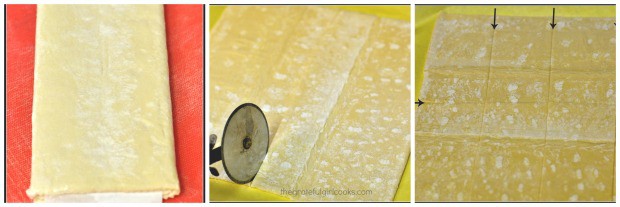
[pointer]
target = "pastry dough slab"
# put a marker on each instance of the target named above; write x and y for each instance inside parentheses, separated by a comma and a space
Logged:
(296, 84)
(293, 62)
(578, 171)
(101, 117)
(474, 52)
(543, 126)
(364, 143)
(507, 170)
(444, 167)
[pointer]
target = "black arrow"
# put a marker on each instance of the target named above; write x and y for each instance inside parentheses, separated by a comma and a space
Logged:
(419, 102)
(553, 20)
(494, 17)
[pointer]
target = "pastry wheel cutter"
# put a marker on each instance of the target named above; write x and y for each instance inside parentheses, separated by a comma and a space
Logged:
(245, 142)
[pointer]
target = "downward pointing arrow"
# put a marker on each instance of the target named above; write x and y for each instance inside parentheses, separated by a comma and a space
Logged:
(553, 20)
(494, 17)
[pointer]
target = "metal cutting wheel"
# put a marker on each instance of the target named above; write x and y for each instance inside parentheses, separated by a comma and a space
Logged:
(244, 143)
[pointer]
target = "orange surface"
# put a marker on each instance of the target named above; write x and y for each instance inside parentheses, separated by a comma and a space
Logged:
(184, 33)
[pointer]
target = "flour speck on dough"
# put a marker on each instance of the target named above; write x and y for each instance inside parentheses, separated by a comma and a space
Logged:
(355, 129)
(566, 43)
(522, 58)
(498, 161)
(481, 53)
(285, 165)
(512, 87)
(305, 115)
(443, 121)
(513, 98)
(280, 76)
(558, 85)
(394, 46)
(574, 198)
(576, 157)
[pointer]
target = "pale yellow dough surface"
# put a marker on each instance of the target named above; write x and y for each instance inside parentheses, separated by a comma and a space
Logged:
(101, 115)
(334, 86)
(365, 142)
(519, 113)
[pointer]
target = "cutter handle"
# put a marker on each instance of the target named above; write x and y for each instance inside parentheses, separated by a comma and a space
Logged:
(215, 154)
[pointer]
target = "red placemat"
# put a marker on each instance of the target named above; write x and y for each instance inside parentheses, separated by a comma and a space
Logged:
(184, 34)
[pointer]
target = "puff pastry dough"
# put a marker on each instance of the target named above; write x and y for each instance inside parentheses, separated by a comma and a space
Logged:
(101, 118)
(334, 86)
(519, 113)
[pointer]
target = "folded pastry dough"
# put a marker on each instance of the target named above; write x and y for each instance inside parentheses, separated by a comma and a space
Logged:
(101, 119)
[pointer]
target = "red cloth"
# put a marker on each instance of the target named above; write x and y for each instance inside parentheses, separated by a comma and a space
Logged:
(184, 33)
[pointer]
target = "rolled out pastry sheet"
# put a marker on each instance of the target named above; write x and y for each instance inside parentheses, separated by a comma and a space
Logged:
(334, 86)
(522, 112)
